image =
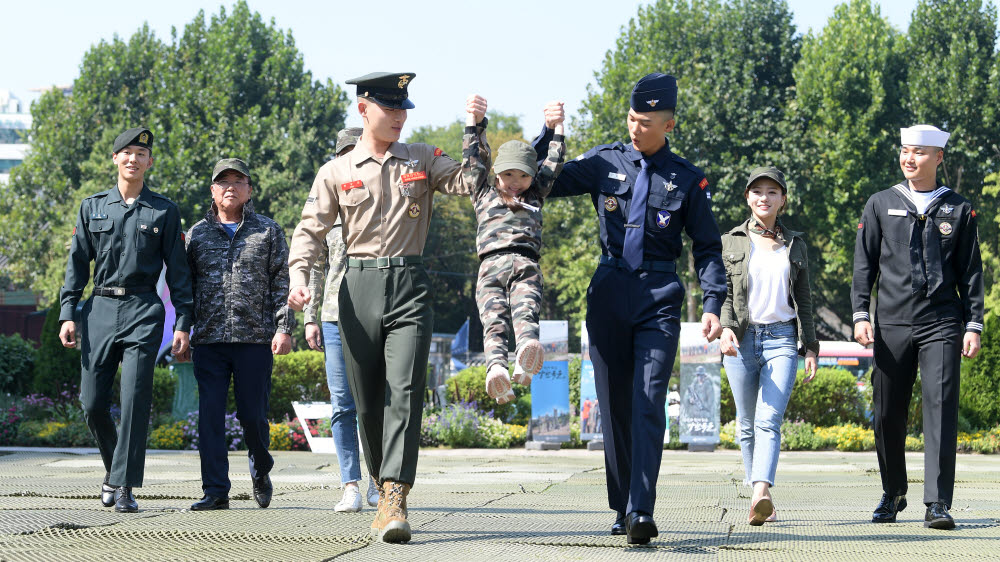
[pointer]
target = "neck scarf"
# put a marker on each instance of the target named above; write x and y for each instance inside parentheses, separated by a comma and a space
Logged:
(757, 228)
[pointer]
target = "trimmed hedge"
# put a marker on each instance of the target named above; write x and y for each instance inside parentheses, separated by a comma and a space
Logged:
(56, 367)
(299, 376)
(17, 360)
(469, 385)
(979, 394)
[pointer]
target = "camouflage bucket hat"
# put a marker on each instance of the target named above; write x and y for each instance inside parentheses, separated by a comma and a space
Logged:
(516, 155)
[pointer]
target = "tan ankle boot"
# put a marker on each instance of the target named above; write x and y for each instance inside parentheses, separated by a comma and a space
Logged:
(390, 523)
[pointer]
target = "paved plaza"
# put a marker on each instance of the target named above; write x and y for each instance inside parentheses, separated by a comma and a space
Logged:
(495, 505)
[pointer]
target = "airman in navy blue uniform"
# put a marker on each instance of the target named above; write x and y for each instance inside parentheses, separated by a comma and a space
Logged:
(645, 195)
(129, 232)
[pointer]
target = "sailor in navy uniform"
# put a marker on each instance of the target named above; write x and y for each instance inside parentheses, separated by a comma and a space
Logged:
(918, 239)
(645, 196)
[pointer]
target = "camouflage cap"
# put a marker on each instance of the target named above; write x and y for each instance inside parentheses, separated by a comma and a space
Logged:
(136, 136)
(388, 89)
(347, 137)
(234, 164)
(516, 155)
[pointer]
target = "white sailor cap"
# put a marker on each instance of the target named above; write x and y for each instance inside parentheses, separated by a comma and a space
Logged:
(923, 135)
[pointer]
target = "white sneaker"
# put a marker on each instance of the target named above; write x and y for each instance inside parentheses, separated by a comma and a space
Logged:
(530, 359)
(372, 497)
(351, 501)
(498, 384)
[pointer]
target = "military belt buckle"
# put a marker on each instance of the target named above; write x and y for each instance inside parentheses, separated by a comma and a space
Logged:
(118, 291)
(382, 263)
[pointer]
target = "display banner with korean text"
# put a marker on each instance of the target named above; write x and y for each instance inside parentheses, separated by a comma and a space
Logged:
(701, 370)
(590, 416)
(550, 386)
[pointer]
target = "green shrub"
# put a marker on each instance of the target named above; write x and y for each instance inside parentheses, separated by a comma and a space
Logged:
(17, 361)
(469, 385)
(299, 376)
(574, 385)
(164, 386)
(831, 398)
(168, 436)
(37, 433)
(56, 367)
(799, 436)
(979, 395)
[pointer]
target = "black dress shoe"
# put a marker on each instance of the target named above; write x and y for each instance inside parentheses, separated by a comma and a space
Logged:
(125, 501)
(262, 490)
(937, 517)
(209, 503)
(640, 528)
(619, 527)
(107, 492)
(888, 508)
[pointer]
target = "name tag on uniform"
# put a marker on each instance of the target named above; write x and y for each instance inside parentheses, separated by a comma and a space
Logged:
(414, 176)
(98, 216)
(351, 185)
(897, 212)
(615, 176)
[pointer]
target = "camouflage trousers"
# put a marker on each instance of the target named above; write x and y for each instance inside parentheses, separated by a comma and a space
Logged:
(509, 291)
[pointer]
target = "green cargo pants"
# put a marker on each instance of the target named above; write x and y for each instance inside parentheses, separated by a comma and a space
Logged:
(386, 323)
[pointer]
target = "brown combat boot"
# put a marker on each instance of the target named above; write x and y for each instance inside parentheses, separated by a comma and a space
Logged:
(390, 523)
(379, 521)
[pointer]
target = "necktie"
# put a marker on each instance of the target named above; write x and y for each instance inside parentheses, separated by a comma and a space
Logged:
(635, 230)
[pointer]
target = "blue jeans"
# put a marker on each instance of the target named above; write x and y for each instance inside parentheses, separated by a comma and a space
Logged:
(762, 375)
(344, 421)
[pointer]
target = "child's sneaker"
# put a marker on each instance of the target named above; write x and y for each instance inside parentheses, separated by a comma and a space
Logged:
(519, 376)
(530, 359)
(498, 384)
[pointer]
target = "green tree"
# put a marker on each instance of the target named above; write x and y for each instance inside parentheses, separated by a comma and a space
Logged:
(842, 141)
(952, 83)
(229, 85)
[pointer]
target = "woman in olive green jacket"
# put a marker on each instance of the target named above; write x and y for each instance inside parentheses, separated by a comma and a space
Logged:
(768, 309)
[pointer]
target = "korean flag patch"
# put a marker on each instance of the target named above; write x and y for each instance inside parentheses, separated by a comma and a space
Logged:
(662, 219)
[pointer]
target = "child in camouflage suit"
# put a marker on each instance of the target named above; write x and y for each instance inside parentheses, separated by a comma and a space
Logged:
(509, 237)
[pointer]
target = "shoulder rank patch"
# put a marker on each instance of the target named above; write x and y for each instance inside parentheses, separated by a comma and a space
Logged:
(438, 152)
(351, 185)
(183, 237)
(973, 212)
(861, 225)
(74, 231)
(703, 183)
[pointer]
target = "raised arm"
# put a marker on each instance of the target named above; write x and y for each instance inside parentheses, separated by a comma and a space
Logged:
(554, 160)
(454, 178)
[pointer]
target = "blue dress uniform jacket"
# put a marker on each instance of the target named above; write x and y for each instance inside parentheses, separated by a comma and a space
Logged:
(633, 317)
(123, 323)
(678, 192)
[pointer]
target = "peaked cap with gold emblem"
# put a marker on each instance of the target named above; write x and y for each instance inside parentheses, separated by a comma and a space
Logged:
(388, 89)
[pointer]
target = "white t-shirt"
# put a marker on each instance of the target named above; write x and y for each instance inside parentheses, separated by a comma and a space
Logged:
(922, 199)
(768, 300)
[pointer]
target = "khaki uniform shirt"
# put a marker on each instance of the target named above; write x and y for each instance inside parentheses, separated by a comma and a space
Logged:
(383, 203)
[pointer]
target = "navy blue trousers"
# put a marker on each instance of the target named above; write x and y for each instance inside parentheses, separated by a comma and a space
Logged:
(633, 320)
(249, 365)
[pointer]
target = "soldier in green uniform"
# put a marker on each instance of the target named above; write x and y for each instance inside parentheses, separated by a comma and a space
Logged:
(382, 193)
(129, 232)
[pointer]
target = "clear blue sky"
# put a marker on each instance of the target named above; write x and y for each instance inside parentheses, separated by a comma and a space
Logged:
(521, 53)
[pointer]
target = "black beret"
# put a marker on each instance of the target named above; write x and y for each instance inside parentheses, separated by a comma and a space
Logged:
(136, 136)
(388, 89)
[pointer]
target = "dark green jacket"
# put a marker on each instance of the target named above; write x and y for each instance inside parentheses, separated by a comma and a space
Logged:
(736, 312)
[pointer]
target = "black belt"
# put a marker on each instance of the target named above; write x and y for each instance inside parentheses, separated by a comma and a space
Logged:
(121, 291)
(530, 254)
(661, 266)
(384, 263)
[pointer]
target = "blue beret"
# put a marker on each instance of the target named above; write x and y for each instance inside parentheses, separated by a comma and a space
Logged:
(654, 92)
(388, 89)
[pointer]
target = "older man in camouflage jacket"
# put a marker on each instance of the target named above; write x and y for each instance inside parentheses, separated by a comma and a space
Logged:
(239, 262)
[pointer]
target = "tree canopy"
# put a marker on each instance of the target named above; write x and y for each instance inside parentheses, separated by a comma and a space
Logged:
(227, 86)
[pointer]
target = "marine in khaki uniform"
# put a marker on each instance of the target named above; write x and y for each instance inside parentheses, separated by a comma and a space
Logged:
(382, 193)
(129, 232)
